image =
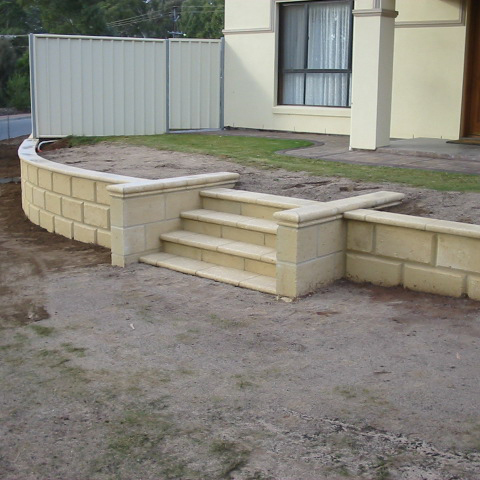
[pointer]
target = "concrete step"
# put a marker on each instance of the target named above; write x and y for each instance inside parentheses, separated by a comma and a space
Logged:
(200, 268)
(251, 204)
(221, 251)
(231, 226)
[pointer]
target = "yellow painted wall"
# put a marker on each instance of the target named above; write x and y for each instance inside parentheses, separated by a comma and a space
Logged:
(250, 76)
(427, 84)
(428, 70)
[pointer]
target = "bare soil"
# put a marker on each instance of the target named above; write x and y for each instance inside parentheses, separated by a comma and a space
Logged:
(145, 373)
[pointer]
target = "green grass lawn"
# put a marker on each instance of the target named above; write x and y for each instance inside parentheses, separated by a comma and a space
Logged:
(260, 152)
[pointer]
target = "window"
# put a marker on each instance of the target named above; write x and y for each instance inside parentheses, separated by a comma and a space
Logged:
(315, 56)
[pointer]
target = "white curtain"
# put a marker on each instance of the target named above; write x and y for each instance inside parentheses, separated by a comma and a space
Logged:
(294, 28)
(328, 48)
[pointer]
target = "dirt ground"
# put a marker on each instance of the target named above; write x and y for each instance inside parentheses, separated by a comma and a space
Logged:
(147, 374)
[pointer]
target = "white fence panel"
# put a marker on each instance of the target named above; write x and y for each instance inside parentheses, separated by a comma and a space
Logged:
(98, 86)
(195, 83)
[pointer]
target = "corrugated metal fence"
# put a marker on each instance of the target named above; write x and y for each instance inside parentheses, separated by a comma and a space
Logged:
(99, 86)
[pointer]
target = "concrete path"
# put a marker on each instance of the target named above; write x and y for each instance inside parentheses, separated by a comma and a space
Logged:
(420, 153)
(12, 126)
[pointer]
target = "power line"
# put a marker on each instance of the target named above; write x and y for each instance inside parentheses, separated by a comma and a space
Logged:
(139, 18)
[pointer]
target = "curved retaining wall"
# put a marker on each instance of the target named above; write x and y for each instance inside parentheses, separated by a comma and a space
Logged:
(86, 206)
(69, 201)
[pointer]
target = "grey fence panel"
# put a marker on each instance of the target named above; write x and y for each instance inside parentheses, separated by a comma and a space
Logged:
(195, 83)
(98, 86)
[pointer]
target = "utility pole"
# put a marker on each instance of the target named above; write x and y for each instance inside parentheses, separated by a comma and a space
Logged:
(176, 18)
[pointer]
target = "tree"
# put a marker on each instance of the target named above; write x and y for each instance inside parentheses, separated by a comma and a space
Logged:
(141, 18)
(7, 67)
(203, 18)
(74, 17)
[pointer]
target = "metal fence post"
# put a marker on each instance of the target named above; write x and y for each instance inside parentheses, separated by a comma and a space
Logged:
(31, 52)
(222, 84)
(167, 93)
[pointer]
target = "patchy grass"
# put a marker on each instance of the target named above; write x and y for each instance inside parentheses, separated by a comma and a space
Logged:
(138, 438)
(42, 331)
(79, 351)
(233, 456)
(243, 383)
(260, 152)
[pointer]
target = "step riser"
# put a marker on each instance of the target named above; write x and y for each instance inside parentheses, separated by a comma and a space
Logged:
(239, 208)
(218, 258)
(232, 233)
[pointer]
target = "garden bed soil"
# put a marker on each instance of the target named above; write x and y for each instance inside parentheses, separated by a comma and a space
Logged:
(140, 372)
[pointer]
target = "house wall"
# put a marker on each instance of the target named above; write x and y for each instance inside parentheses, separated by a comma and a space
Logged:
(427, 84)
(429, 57)
(250, 76)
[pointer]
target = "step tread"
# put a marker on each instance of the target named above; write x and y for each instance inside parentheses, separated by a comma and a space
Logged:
(232, 276)
(232, 220)
(222, 245)
(265, 199)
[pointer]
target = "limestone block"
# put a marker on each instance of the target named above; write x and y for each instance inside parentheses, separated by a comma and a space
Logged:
(407, 244)
(223, 259)
(261, 268)
(296, 280)
(64, 227)
(331, 237)
(360, 236)
(270, 240)
(47, 221)
(204, 228)
(258, 211)
(45, 179)
(34, 214)
(24, 204)
(124, 260)
(23, 169)
(178, 202)
(128, 241)
(84, 233)
(473, 287)
(62, 184)
(97, 215)
(433, 280)
(29, 192)
(296, 245)
(39, 198)
(103, 238)
(221, 205)
(32, 174)
(459, 252)
(129, 212)
(101, 194)
(154, 230)
(72, 209)
(366, 268)
(53, 203)
(182, 250)
(83, 188)
(243, 235)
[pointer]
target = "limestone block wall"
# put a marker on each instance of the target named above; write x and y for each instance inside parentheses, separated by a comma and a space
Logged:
(69, 201)
(311, 242)
(142, 211)
(126, 214)
(427, 255)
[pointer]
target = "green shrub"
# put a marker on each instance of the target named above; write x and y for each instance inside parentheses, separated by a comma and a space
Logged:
(18, 91)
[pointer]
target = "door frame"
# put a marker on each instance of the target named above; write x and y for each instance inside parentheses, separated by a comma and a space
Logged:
(469, 54)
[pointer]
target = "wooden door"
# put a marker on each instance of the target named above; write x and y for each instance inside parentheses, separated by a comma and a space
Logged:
(472, 93)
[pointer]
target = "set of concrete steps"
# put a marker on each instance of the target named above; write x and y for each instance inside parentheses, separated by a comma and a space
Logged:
(231, 239)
